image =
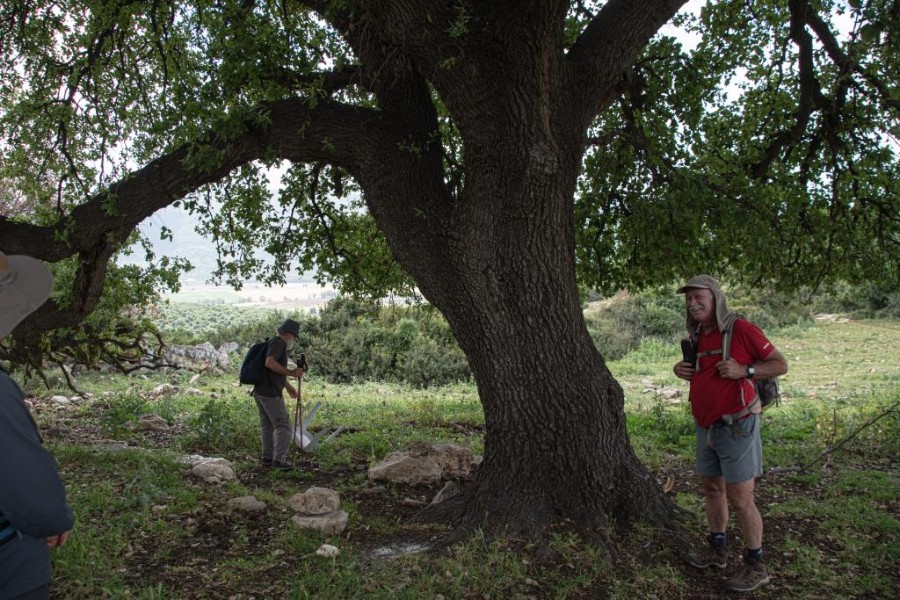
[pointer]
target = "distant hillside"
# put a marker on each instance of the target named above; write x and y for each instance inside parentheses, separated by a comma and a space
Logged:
(185, 243)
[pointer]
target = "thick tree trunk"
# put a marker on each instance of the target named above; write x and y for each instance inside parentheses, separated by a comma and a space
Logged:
(498, 261)
(556, 445)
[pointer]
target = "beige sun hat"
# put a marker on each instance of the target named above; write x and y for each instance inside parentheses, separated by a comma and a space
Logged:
(25, 284)
(721, 303)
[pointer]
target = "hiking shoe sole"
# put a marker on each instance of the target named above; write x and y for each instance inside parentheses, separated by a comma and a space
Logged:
(747, 586)
(704, 564)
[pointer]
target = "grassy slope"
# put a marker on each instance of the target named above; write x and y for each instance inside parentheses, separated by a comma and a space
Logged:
(146, 531)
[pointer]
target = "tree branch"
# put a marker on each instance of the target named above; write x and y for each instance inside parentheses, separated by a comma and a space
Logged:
(332, 132)
(844, 62)
(835, 447)
(804, 15)
(810, 92)
(610, 44)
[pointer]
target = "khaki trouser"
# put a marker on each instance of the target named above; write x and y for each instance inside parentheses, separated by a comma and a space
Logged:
(275, 427)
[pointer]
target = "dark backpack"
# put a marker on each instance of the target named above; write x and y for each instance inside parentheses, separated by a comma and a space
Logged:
(253, 369)
(767, 388)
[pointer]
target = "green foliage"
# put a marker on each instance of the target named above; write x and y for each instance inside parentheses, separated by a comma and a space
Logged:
(688, 171)
(866, 300)
(706, 155)
(619, 324)
(187, 323)
(427, 363)
(214, 427)
(357, 340)
(120, 327)
(663, 429)
(125, 410)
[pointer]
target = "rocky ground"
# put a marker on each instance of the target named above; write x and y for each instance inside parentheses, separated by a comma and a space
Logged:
(211, 530)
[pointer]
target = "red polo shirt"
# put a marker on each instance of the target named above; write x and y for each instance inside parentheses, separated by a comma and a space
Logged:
(712, 396)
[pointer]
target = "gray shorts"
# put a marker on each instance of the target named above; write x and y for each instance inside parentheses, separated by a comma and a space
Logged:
(721, 452)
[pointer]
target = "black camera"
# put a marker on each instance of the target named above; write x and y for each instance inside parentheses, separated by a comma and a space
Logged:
(688, 351)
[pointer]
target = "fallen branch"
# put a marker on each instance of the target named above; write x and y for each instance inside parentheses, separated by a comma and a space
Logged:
(835, 447)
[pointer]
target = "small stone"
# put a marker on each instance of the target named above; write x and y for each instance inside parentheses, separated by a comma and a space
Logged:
(402, 467)
(328, 551)
(153, 423)
(213, 470)
(248, 504)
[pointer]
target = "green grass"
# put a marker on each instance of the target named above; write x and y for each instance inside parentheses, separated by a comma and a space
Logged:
(834, 529)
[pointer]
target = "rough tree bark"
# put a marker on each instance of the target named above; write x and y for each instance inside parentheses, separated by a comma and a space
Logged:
(497, 258)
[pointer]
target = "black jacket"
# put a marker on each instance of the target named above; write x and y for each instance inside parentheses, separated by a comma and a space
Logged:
(273, 384)
(33, 502)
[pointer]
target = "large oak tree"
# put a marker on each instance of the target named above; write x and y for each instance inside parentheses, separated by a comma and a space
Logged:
(502, 151)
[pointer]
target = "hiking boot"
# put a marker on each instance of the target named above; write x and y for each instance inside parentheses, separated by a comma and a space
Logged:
(751, 576)
(282, 466)
(265, 462)
(711, 556)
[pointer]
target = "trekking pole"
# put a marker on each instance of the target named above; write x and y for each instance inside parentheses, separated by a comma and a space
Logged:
(298, 413)
(297, 421)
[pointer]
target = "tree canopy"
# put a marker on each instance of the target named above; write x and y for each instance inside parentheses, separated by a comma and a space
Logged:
(771, 145)
(489, 153)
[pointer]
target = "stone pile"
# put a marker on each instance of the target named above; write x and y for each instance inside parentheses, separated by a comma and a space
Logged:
(319, 508)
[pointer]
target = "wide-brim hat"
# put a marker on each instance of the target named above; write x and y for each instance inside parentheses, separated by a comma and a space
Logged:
(290, 326)
(25, 284)
(710, 283)
(706, 282)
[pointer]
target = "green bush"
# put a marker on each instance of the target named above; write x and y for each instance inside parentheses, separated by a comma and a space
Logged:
(352, 340)
(213, 428)
(611, 340)
(622, 323)
(659, 320)
(122, 411)
(873, 300)
(426, 363)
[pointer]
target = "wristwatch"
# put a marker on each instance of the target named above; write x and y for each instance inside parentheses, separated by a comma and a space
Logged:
(751, 371)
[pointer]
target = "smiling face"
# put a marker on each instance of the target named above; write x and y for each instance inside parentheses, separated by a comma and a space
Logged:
(701, 306)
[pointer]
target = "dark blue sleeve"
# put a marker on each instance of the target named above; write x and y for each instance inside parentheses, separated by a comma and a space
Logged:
(32, 496)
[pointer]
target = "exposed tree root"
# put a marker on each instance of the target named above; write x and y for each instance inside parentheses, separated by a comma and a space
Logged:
(532, 520)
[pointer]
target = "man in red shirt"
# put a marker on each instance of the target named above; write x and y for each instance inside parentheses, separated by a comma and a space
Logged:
(726, 411)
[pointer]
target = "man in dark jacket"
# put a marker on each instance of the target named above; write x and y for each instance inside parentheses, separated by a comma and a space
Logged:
(274, 422)
(34, 514)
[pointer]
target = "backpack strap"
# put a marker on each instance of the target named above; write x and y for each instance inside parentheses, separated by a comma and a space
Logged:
(728, 334)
